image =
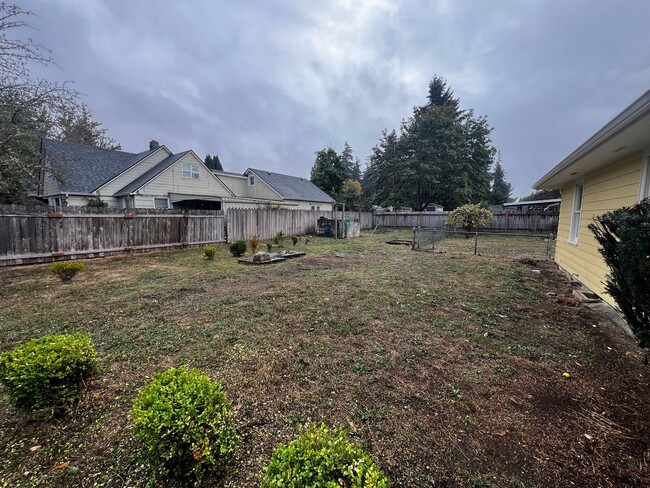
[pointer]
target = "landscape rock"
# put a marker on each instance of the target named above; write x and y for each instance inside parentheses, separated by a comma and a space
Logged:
(261, 257)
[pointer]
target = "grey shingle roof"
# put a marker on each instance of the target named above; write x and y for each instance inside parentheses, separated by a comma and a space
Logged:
(150, 175)
(292, 187)
(82, 169)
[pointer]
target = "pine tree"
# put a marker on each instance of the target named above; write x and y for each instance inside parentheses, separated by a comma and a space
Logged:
(501, 189)
(328, 172)
(79, 126)
(213, 162)
(356, 170)
(348, 159)
(442, 154)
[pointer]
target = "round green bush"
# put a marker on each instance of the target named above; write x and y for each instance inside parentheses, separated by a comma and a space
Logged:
(322, 458)
(48, 372)
(238, 248)
(66, 270)
(209, 251)
(185, 424)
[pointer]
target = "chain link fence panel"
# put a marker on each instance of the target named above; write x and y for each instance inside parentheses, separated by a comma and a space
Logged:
(504, 245)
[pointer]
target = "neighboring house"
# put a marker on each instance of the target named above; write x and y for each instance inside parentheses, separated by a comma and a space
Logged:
(610, 170)
(549, 205)
(75, 174)
(258, 187)
(433, 207)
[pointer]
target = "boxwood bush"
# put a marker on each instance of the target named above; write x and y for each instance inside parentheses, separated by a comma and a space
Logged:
(185, 424)
(324, 458)
(48, 372)
(66, 270)
(238, 248)
(209, 251)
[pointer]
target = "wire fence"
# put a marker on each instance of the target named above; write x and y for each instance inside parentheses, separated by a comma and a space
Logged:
(515, 246)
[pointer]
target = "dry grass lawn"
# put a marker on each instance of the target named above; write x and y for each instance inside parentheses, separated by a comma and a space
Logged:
(449, 369)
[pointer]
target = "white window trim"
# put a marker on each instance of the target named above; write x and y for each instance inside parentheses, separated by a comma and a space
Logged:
(161, 198)
(574, 224)
(644, 187)
(193, 171)
(251, 180)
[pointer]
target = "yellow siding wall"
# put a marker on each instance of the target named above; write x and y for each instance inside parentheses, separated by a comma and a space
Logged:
(608, 189)
(171, 181)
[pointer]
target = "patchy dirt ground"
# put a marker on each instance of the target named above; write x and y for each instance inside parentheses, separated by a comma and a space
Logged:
(449, 369)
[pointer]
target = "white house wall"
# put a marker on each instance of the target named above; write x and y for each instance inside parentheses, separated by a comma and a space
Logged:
(237, 184)
(132, 173)
(261, 190)
(172, 181)
(50, 185)
(324, 207)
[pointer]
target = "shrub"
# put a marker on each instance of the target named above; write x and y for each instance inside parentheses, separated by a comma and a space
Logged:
(185, 424)
(624, 237)
(238, 248)
(319, 457)
(269, 246)
(470, 217)
(66, 270)
(254, 242)
(278, 240)
(294, 239)
(48, 372)
(209, 251)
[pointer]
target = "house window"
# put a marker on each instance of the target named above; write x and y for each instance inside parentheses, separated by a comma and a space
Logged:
(161, 202)
(574, 230)
(315, 207)
(251, 180)
(191, 171)
(645, 180)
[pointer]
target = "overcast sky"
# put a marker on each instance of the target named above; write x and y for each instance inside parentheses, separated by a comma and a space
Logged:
(266, 84)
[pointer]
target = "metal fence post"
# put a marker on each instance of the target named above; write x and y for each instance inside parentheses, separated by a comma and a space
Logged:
(549, 246)
(476, 243)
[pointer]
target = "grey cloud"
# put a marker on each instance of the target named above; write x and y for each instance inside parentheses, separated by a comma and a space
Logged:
(268, 83)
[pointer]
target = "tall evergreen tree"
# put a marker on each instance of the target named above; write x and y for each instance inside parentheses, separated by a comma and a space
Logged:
(501, 189)
(79, 126)
(348, 159)
(442, 154)
(356, 170)
(213, 162)
(328, 172)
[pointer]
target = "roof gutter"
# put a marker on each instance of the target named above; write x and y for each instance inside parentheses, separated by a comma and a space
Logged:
(618, 124)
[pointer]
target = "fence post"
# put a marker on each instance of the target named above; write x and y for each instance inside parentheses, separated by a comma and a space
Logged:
(413, 240)
(549, 246)
(476, 243)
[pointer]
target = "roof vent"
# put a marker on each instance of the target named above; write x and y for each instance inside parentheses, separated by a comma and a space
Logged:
(154, 144)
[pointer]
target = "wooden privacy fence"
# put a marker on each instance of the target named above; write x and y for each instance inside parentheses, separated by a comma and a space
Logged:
(266, 223)
(533, 222)
(38, 233)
